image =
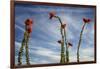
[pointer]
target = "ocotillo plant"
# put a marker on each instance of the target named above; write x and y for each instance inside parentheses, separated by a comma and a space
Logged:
(52, 14)
(67, 52)
(80, 39)
(68, 44)
(28, 30)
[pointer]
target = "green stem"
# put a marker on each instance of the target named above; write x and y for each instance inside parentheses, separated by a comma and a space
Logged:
(27, 52)
(67, 52)
(21, 51)
(62, 49)
(62, 44)
(59, 19)
(80, 42)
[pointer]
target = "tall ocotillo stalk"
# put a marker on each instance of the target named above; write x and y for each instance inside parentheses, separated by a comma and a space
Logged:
(80, 39)
(63, 42)
(52, 14)
(28, 30)
(29, 23)
(27, 52)
(67, 52)
(21, 51)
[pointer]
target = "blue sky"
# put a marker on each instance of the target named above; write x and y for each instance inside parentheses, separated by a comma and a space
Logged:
(43, 46)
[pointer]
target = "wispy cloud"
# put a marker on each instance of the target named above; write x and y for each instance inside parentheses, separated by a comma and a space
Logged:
(50, 55)
(86, 54)
(19, 27)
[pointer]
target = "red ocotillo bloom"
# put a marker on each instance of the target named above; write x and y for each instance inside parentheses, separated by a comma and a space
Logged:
(63, 26)
(28, 24)
(29, 30)
(59, 41)
(86, 20)
(70, 44)
(51, 14)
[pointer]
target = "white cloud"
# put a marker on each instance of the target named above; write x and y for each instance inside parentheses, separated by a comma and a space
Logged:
(52, 56)
(86, 54)
(50, 29)
(19, 27)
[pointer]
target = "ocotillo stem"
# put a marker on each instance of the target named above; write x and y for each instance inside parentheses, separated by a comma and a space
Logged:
(27, 52)
(21, 51)
(62, 44)
(80, 42)
(67, 52)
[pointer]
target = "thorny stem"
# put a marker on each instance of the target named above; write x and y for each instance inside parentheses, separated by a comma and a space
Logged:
(67, 52)
(27, 52)
(62, 44)
(24, 42)
(80, 42)
(21, 50)
(62, 49)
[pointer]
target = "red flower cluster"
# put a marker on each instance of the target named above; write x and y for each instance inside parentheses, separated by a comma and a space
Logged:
(28, 24)
(51, 14)
(86, 20)
(70, 44)
(59, 41)
(29, 29)
(63, 26)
